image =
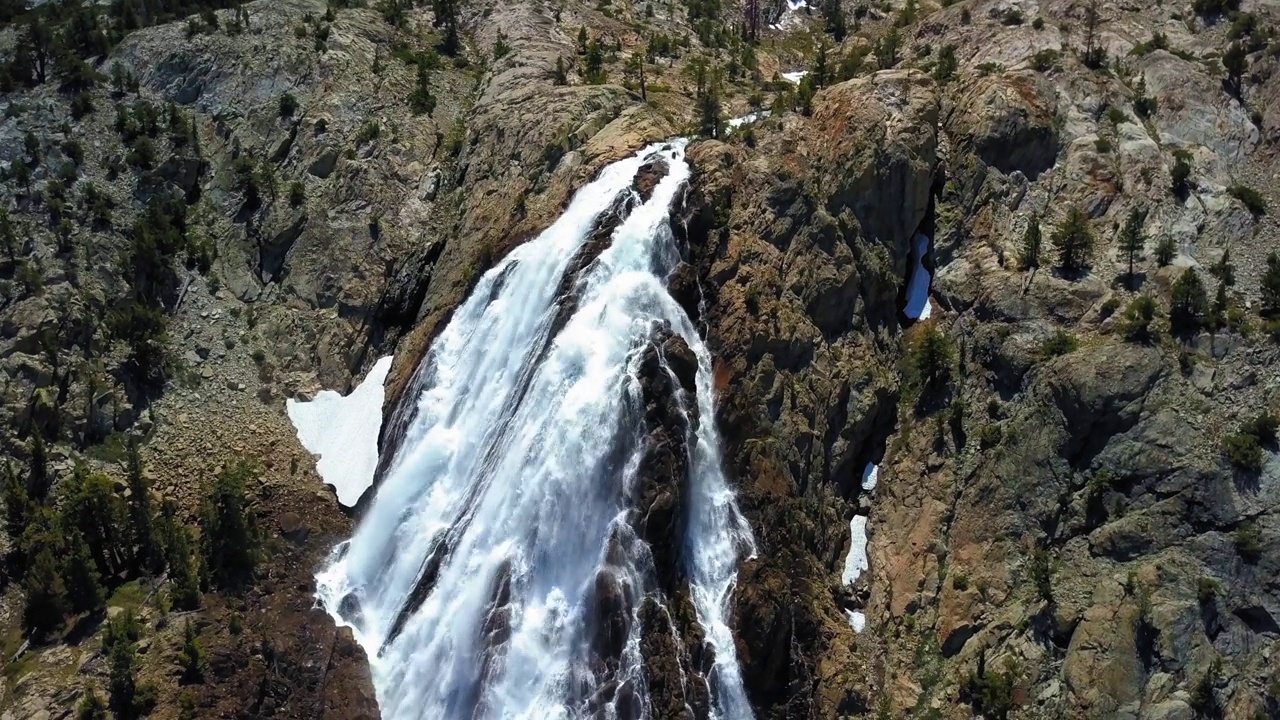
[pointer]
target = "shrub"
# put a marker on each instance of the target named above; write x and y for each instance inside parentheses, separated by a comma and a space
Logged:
(288, 105)
(1243, 448)
(991, 693)
(1011, 17)
(1115, 115)
(297, 194)
(1044, 61)
(1060, 342)
(1252, 199)
(191, 657)
(1102, 145)
(368, 132)
(1248, 541)
(1207, 589)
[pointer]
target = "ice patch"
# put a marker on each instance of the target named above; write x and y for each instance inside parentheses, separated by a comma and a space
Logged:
(918, 306)
(794, 77)
(857, 620)
(856, 562)
(870, 476)
(343, 432)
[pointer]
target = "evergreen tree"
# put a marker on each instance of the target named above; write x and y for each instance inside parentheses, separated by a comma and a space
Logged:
(708, 106)
(1074, 241)
(84, 587)
(833, 19)
(146, 553)
(46, 595)
(1189, 304)
(1166, 250)
(593, 65)
(1221, 303)
(228, 536)
(820, 72)
(176, 539)
(191, 657)
(17, 504)
(1029, 257)
(94, 508)
(421, 100)
(39, 482)
(119, 645)
(929, 360)
(1131, 241)
(1235, 61)
(446, 16)
(1223, 270)
(560, 76)
(1270, 286)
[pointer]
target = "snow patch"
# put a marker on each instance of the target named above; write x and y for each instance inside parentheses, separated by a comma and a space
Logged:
(747, 119)
(870, 476)
(856, 562)
(343, 432)
(794, 77)
(918, 305)
(857, 620)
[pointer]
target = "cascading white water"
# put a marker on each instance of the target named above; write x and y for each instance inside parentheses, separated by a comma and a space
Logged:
(517, 471)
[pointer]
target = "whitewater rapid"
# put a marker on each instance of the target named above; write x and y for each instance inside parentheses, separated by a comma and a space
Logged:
(514, 479)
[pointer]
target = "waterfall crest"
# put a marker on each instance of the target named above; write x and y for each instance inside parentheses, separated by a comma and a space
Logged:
(506, 519)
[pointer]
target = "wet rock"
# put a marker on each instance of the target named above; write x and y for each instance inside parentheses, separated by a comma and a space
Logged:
(648, 176)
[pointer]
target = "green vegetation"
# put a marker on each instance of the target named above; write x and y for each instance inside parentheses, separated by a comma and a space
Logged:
(1131, 241)
(1181, 172)
(1270, 287)
(1029, 257)
(1189, 305)
(1060, 342)
(229, 541)
(1073, 241)
(929, 360)
(1243, 448)
(991, 692)
(1252, 199)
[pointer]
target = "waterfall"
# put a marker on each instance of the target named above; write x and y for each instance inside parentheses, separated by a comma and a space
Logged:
(469, 578)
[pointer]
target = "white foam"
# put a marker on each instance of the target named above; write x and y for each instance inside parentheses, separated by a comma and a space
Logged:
(857, 620)
(856, 562)
(918, 305)
(343, 432)
(870, 476)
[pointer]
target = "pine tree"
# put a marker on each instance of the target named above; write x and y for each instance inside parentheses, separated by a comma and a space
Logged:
(1223, 270)
(929, 360)
(421, 100)
(93, 507)
(1166, 250)
(191, 657)
(833, 19)
(446, 16)
(46, 595)
(39, 482)
(1029, 257)
(1131, 241)
(1189, 304)
(177, 543)
(560, 76)
(1221, 303)
(119, 645)
(1270, 286)
(17, 504)
(593, 65)
(1074, 241)
(84, 586)
(228, 536)
(146, 554)
(1235, 61)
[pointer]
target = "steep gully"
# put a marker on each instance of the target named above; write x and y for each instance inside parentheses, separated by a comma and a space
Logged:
(556, 506)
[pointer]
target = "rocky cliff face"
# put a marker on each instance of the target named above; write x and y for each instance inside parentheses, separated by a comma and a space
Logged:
(1057, 530)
